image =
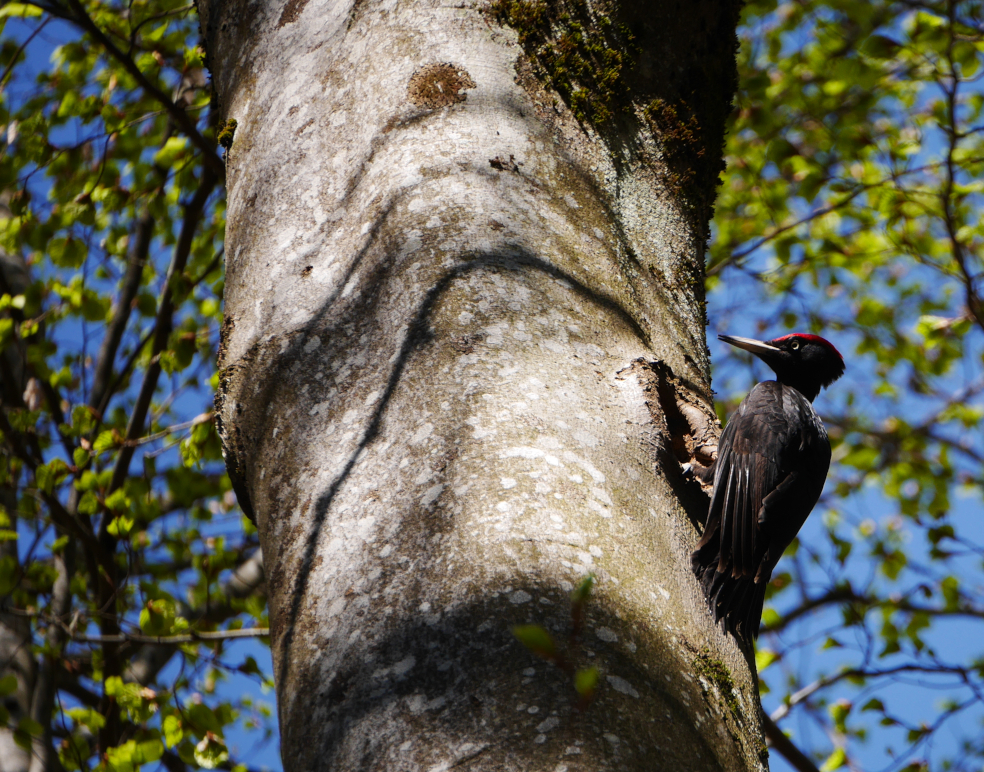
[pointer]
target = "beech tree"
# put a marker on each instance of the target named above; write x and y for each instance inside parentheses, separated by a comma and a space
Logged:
(463, 357)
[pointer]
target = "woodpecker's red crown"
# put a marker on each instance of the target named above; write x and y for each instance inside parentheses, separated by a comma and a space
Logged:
(804, 336)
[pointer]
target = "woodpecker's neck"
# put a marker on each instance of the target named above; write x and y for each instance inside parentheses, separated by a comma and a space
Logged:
(807, 387)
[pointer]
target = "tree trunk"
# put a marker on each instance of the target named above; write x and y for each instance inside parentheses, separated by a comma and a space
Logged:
(16, 656)
(463, 356)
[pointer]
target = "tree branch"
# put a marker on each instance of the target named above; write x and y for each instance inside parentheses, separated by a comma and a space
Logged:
(211, 159)
(174, 640)
(162, 329)
(108, 580)
(136, 260)
(778, 740)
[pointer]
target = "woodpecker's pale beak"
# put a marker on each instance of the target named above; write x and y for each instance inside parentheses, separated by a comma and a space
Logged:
(757, 347)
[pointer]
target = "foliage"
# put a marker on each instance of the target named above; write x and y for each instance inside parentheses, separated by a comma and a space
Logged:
(118, 529)
(539, 642)
(851, 207)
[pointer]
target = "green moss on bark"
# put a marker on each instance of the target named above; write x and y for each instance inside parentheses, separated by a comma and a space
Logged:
(715, 671)
(577, 51)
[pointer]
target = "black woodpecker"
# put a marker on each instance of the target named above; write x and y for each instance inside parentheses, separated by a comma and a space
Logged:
(770, 469)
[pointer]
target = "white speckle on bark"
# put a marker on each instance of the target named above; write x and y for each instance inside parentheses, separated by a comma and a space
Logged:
(508, 482)
(524, 453)
(337, 607)
(432, 495)
(586, 438)
(422, 433)
(602, 496)
(404, 666)
(599, 508)
(619, 684)
(520, 596)
(607, 635)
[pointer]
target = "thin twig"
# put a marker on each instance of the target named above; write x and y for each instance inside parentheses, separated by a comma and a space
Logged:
(174, 640)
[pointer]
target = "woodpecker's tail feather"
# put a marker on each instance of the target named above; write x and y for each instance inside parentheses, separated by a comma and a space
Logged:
(736, 603)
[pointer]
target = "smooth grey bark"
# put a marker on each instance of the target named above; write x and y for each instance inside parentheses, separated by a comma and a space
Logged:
(463, 356)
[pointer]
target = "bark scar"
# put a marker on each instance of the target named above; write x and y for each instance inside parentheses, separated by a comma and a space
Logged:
(439, 85)
(685, 414)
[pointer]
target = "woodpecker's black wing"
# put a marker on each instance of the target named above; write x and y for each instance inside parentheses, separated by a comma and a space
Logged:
(772, 462)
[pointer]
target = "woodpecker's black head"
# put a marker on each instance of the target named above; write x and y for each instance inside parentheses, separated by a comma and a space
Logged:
(805, 362)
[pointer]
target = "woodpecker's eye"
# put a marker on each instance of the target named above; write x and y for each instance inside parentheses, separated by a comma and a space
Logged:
(795, 344)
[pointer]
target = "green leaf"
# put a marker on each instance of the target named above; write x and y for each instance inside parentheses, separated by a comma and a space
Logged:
(764, 658)
(158, 616)
(83, 421)
(880, 47)
(117, 501)
(27, 728)
(583, 591)
(132, 754)
(173, 733)
(586, 681)
(211, 752)
(104, 441)
(8, 574)
(138, 701)
(20, 11)
(88, 504)
(8, 684)
(120, 526)
(835, 760)
(90, 718)
(537, 640)
(51, 474)
(172, 150)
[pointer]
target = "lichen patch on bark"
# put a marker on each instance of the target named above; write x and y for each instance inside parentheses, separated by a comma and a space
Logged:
(439, 85)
